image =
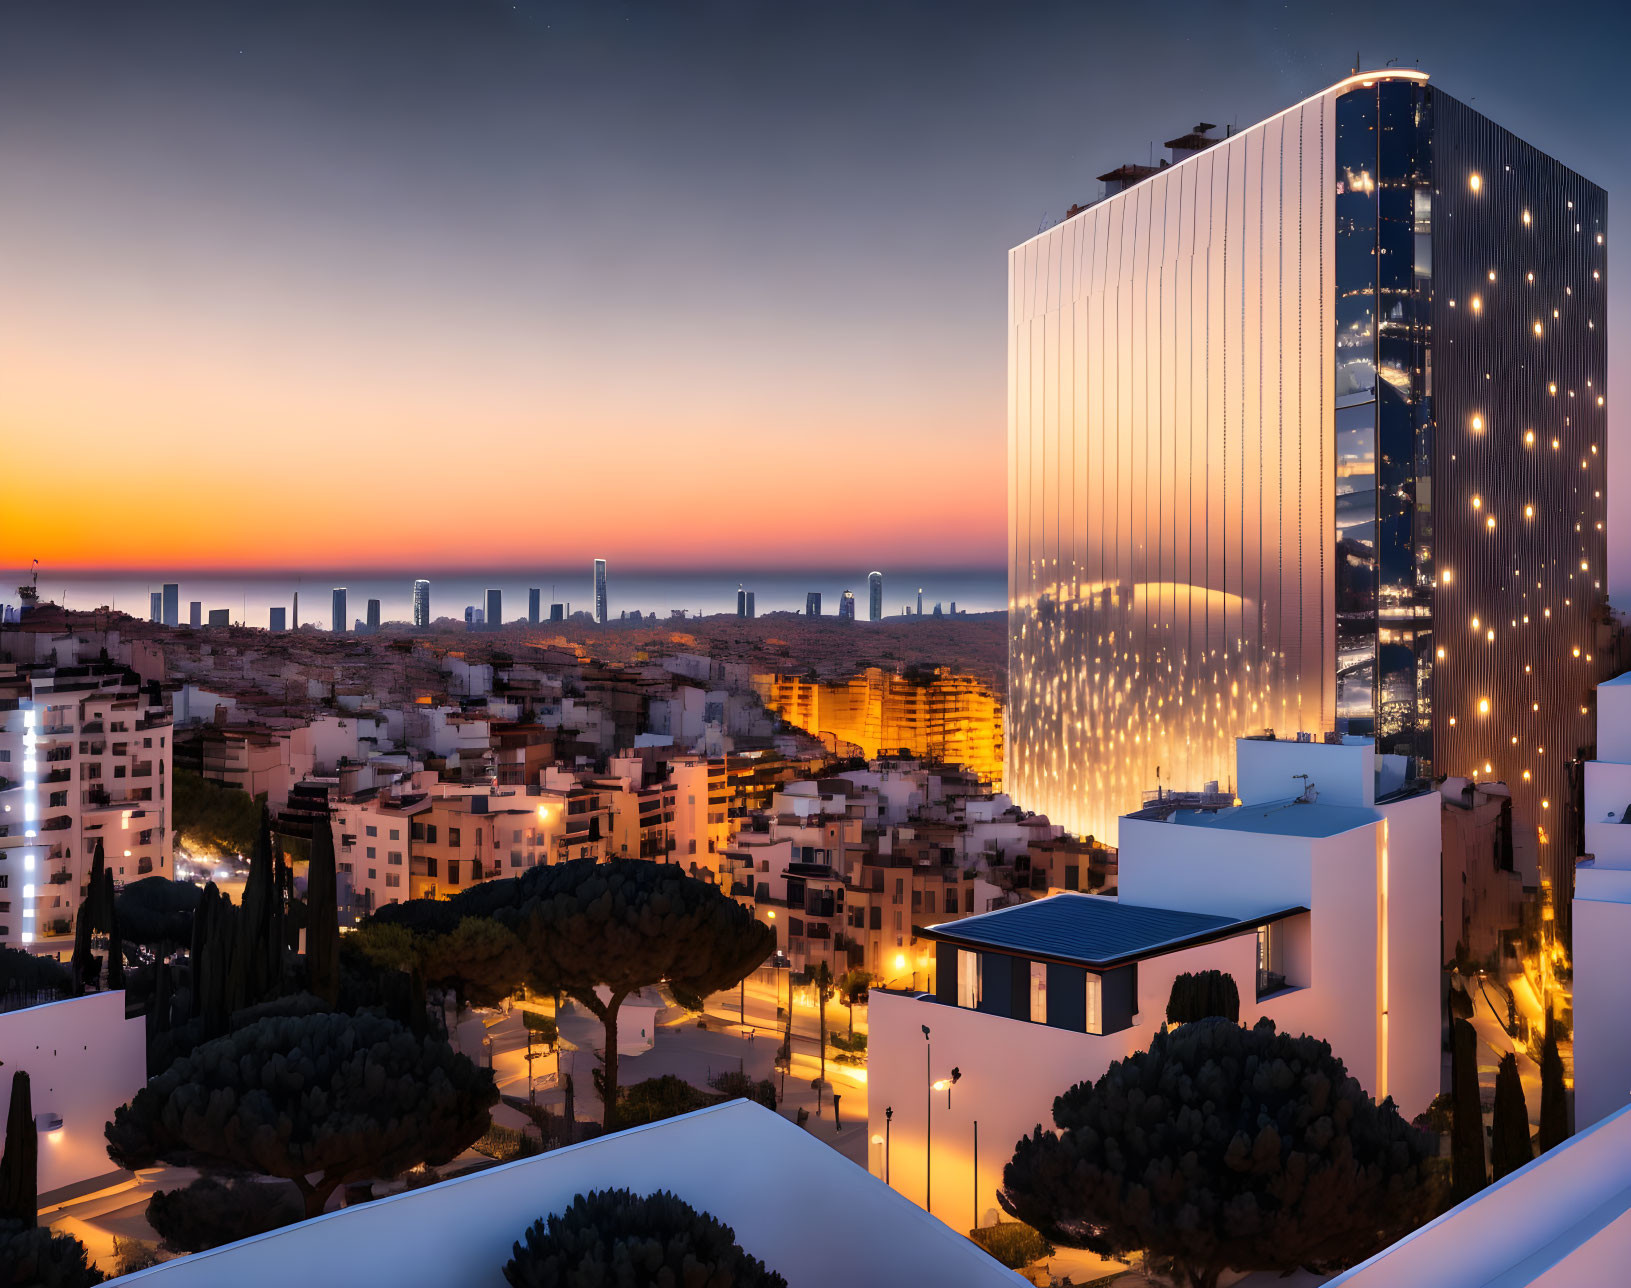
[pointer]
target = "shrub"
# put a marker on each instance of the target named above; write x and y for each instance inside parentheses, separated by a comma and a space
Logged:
(1013, 1243)
(736, 1085)
(617, 1239)
(34, 1257)
(851, 1042)
(658, 1098)
(210, 1212)
(131, 1255)
(507, 1144)
(543, 1025)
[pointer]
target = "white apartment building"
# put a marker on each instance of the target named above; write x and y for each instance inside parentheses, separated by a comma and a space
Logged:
(85, 756)
(1319, 898)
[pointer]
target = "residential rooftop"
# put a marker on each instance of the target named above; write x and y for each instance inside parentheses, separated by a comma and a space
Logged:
(1092, 930)
(1282, 818)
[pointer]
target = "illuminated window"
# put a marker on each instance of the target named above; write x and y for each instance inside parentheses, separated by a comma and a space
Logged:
(1039, 992)
(968, 979)
(1095, 1003)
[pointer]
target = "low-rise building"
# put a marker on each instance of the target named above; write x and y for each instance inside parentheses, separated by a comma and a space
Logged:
(1316, 895)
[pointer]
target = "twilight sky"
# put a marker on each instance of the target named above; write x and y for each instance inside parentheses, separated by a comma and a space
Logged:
(410, 285)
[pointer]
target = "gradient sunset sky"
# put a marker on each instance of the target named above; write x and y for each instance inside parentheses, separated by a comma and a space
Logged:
(398, 285)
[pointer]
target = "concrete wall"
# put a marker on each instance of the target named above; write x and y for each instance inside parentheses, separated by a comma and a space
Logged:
(794, 1202)
(1560, 1222)
(1413, 896)
(1342, 773)
(1602, 956)
(84, 1060)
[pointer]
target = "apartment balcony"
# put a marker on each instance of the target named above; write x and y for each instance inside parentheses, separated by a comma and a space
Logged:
(91, 726)
(58, 776)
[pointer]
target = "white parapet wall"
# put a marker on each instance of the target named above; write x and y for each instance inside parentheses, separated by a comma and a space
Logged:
(1560, 1222)
(84, 1059)
(795, 1203)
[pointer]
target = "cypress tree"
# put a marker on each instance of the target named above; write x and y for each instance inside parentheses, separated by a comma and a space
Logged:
(87, 966)
(116, 947)
(1509, 1147)
(98, 896)
(19, 1167)
(1467, 1174)
(323, 915)
(1554, 1107)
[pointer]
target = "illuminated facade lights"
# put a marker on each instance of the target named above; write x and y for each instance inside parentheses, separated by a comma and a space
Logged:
(1184, 435)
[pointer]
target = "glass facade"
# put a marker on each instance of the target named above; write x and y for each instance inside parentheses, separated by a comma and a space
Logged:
(1307, 432)
(1383, 418)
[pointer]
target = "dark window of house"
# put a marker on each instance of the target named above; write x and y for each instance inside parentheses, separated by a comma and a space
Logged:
(453, 837)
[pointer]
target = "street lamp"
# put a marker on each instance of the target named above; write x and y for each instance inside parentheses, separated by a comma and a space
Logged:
(888, 1116)
(928, 1125)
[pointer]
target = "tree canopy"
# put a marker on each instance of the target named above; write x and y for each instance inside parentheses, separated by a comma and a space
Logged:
(479, 959)
(617, 1239)
(210, 818)
(339, 1097)
(158, 912)
(210, 1212)
(24, 972)
(626, 925)
(1223, 1147)
(1203, 995)
(19, 1165)
(32, 1257)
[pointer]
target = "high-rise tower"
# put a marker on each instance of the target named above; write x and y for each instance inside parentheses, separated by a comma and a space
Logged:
(874, 588)
(600, 591)
(421, 603)
(339, 610)
(1306, 433)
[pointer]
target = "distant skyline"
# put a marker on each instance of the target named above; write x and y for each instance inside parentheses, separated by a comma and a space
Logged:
(409, 287)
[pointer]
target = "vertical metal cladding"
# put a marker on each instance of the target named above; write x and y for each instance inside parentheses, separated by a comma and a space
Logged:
(1519, 318)
(1170, 465)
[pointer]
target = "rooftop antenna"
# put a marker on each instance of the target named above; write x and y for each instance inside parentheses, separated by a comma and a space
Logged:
(1355, 71)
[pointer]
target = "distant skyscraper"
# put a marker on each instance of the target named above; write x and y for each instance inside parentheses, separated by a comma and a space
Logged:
(172, 604)
(920, 601)
(156, 601)
(373, 614)
(294, 617)
(812, 604)
(741, 602)
(846, 606)
(557, 612)
(277, 618)
(195, 613)
(421, 603)
(495, 608)
(600, 591)
(535, 603)
(474, 616)
(339, 610)
(220, 617)
(874, 588)
(1307, 433)
(751, 610)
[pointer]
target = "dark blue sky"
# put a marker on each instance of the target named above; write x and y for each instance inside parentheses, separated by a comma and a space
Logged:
(679, 244)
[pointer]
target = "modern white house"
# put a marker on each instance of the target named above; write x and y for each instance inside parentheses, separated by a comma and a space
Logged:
(84, 1059)
(794, 1202)
(1317, 893)
(1562, 1221)
(1602, 917)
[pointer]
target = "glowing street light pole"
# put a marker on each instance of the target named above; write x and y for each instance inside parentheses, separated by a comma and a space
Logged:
(928, 1125)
